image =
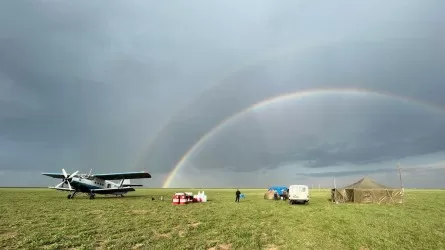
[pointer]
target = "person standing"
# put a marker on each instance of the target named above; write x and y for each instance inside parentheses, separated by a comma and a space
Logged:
(238, 194)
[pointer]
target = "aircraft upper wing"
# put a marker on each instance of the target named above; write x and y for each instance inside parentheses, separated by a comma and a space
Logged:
(112, 190)
(125, 175)
(55, 175)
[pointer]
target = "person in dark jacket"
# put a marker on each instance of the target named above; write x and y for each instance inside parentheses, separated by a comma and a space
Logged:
(238, 194)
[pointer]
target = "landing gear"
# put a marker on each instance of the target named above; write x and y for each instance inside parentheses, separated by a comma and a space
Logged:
(71, 196)
(92, 196)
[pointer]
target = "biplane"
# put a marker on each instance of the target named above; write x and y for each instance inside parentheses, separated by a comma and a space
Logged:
(93, 184)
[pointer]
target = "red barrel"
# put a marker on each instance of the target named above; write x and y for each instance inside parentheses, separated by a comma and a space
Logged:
(182, 199)
(175, 200)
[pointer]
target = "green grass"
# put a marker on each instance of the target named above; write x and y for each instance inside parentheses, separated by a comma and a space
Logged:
(43, 218)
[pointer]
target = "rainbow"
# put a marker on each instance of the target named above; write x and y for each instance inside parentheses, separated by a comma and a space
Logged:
(284, 50)
(279, 52)
(285, 97)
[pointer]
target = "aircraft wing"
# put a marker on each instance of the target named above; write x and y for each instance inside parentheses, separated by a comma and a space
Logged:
(132, 185)
(55, 175)
(125, 175)
(62, 189)
(112, 190)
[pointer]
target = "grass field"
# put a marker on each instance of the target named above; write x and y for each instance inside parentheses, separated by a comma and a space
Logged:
(42, 218)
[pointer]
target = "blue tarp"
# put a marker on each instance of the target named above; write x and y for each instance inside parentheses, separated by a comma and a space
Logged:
(279, 189)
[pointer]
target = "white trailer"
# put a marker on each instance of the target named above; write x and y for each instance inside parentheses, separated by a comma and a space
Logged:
(298, 194)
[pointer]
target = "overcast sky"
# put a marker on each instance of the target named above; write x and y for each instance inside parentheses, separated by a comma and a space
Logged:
(119, 86)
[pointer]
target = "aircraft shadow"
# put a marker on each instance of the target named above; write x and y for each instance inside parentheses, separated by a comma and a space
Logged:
(118, 197)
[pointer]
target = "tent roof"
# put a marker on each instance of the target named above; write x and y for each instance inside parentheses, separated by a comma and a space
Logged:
(366, 183)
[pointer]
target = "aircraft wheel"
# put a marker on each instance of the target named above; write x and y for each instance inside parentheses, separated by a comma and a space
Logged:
(69, 196)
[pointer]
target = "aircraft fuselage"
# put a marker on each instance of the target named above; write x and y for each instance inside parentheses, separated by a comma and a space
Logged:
(87, 184)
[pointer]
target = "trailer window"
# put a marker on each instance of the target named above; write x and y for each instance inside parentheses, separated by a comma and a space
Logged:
(303, 189)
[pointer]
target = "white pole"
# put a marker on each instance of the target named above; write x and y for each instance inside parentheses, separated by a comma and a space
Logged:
(400, 175)
(401, 182)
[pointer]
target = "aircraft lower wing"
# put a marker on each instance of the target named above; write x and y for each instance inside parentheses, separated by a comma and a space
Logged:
(125, 175)
(132, 185)
(62, 189)
(112, 190)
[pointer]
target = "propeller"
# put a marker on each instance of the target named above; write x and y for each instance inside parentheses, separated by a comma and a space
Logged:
(67, 178)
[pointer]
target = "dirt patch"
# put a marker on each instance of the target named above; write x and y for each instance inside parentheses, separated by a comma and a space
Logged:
(195, 225)
(182, 233)
(271, 247)
(138, 246)
(221, 247)
(225, 246)
(101, 244)
(139, 211)
(8, 235)
(163, 235)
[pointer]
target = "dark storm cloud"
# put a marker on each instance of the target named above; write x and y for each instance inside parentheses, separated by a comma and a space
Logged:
(88, 84)
(318, 135)
(52, 93)
(386, 152)
(348, 173)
